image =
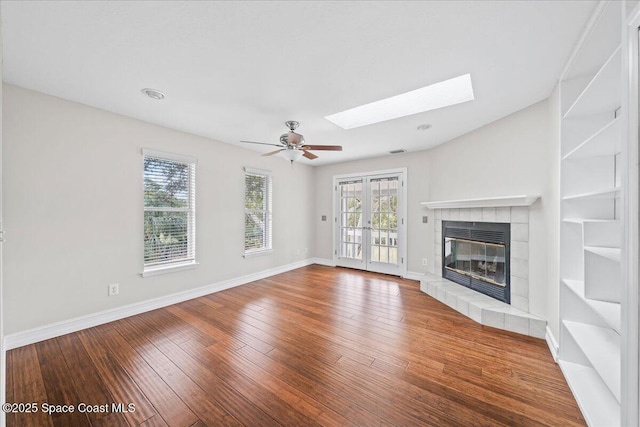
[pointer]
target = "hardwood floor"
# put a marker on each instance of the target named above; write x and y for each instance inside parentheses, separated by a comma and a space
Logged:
(314, 346)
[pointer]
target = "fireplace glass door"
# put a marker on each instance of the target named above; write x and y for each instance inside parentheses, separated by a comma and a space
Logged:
(483, 261)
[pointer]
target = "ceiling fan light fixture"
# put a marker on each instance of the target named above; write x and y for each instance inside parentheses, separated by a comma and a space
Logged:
(438, 95)
(292, 154)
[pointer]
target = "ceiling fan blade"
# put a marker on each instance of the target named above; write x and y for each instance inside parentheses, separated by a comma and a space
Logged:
(309, 155)
(271, 153)
(261, 143)
(294, 138)
(323, 147)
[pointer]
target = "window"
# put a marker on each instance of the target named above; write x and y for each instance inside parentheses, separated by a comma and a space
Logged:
(169, 211)
(257, 211)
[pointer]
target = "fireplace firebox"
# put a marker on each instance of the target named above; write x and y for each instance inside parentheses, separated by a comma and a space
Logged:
(476, 255)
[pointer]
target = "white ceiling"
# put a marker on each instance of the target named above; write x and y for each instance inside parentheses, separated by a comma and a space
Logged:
(238, 70)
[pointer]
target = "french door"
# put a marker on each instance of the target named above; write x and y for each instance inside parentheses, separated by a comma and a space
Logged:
(369, 222)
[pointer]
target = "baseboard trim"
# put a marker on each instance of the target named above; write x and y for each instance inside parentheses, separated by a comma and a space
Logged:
(73, 325)
(552, 343)
(413, 275)
(324, 261)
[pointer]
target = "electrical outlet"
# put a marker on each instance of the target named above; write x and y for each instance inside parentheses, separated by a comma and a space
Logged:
(297, 251)
(424, 261)
(114, 289)
(306, 251)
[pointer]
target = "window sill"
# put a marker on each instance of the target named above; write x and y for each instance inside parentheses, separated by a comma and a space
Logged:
(166, 269)
(257, 253)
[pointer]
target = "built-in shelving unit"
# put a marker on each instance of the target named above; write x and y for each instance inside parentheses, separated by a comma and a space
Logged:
(591, 227)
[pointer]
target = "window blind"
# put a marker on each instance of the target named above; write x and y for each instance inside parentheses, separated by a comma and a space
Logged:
(169, 209)
(257, 211)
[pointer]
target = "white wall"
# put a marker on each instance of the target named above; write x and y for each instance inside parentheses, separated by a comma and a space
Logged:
(508, 157)
(3, 364)
(73, 210)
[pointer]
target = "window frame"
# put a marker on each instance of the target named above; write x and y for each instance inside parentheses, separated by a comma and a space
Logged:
(189, 261)
(267, 212)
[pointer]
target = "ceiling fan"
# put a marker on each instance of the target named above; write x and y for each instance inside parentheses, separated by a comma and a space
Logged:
(292, 145)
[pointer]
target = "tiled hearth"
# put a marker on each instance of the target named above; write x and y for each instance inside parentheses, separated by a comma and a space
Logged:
(481, 308)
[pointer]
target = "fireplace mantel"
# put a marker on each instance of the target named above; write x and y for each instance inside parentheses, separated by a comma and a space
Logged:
(489, 202)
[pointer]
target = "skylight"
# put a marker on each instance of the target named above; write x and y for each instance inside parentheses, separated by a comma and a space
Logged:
(443, 94)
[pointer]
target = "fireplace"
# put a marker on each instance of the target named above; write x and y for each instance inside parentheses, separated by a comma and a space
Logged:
(476, 255)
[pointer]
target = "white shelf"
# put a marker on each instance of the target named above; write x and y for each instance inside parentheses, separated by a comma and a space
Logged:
(488, 202)
(601, 143)
(599, 407)
(601, 346)
(609, 312)
(602, 94)
(608, 193)
(581, 221)
(573, 221)
(614, 254)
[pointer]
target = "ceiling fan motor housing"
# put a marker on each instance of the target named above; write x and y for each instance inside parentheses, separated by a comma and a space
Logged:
(291, 139)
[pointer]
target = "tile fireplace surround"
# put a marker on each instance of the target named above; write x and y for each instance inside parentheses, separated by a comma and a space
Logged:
(479, 307)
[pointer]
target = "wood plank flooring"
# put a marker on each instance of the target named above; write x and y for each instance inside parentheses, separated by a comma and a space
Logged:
(317, 346)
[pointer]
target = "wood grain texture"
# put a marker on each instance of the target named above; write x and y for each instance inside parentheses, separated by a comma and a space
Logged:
(315, 346)
(10, 417)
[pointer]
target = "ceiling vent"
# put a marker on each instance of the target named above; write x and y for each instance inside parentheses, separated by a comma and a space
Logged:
(402, 150)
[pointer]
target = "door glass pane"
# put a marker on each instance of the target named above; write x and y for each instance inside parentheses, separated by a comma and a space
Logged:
(393, 255)
(384, 222)
(384, 203)
(350, 217)
(384, 252)
(375, 253)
